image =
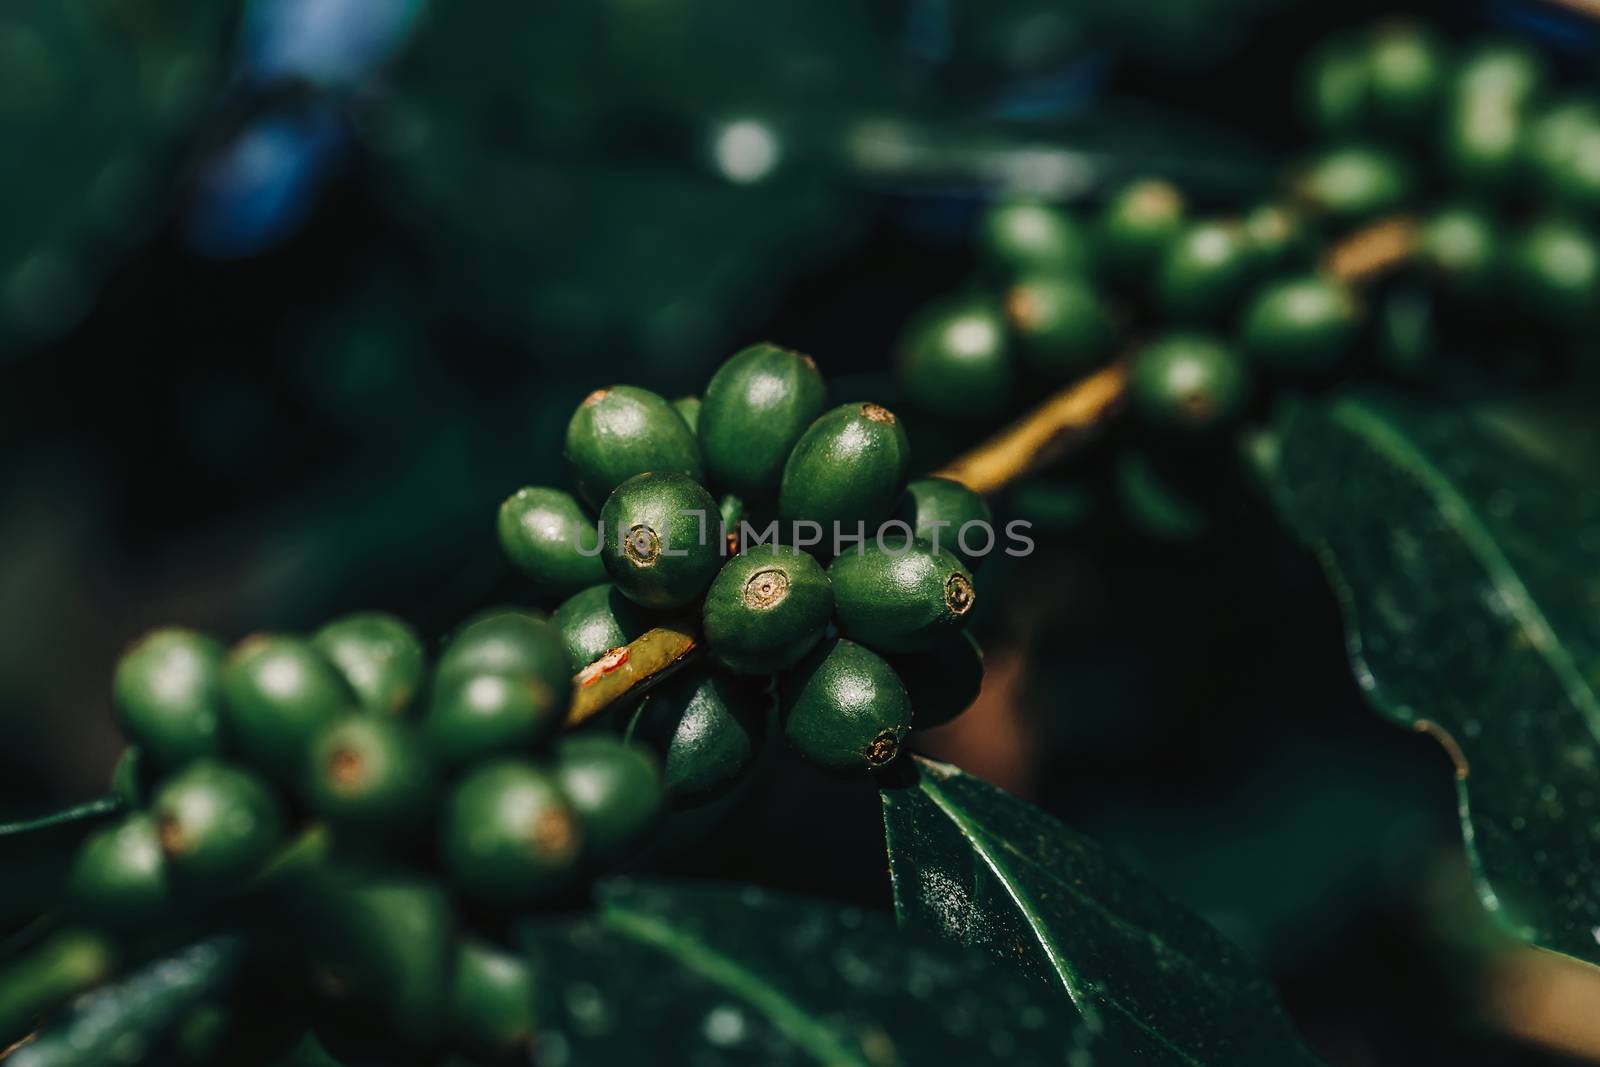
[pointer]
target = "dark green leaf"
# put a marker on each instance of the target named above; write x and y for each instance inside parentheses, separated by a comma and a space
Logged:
(987, 869)
(723, 976)
(1467, 564)
(118, 1023)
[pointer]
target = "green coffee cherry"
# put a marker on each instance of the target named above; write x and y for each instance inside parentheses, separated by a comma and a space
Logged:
(1188, 383)
(510, 836)
(472, 717)
(615, 791)
(688, 408)
(169, 696)
(493, 1006)
(1301, 325)
(1554, 268)
(620, 432)
(765, 609)
(379, 655)
(280, 691)
(1337, 89)
(1354, 184)
(381, 954)
(848, 467)
(1553, 138)
(511, 642)
(119, 877)
(942, 682)
(1460, 247)
(1203, 271)
(1505, 69)
(1483, 139)
(663, 541)
(1276, 237)
(900, 596)
(756, 407)
(1563, 153)
(1022, 235)
(845, 708)
(953, 358)
(546, 536)
(1156, 505)
(595, 621)
(130, 778)
(1140, 221)
(1406, 72)
(939, 512)
(706, 728)
(369, 775)
(216, 823)
(1060, 324)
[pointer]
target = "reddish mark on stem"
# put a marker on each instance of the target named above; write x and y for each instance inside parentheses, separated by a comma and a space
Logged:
(603, 666)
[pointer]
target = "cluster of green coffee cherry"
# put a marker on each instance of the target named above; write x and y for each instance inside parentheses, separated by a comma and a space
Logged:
(785, 533)
(344, 744)
(1222, 306)
(1513, 165)
(381, 805)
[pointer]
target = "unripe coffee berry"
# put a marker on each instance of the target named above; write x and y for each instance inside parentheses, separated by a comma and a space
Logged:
(379, 656)
(1188, 383)
(369, 775)
(688, 408)
(663, 540)
(1406, 75)
(949, 516)
(848, 467)
(508, 641)
(706, 729)
(168, 691)
(953, 358)
(844, 708)
(756, 407)
(1019, 236)
(546, 535)
(1301, 326)
(615, 790)
(1060, 324)
(216, 824)
(1354, 184)
(1203, 272)
(900, 596)
(623, 431)
(595, 621)
(1461, 248)
(510, 837)
(119, 877)
(765, 609)
(472, 717)
(1139, 222)
(494, 1002)
(280, 691)
(1554, 267)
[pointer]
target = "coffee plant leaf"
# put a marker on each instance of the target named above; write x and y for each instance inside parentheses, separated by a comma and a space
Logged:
(1465, 556)
(986, 869)
(725, 975)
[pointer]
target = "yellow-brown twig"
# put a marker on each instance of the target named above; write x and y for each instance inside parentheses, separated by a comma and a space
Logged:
(1072, 415)
(1043, 435)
